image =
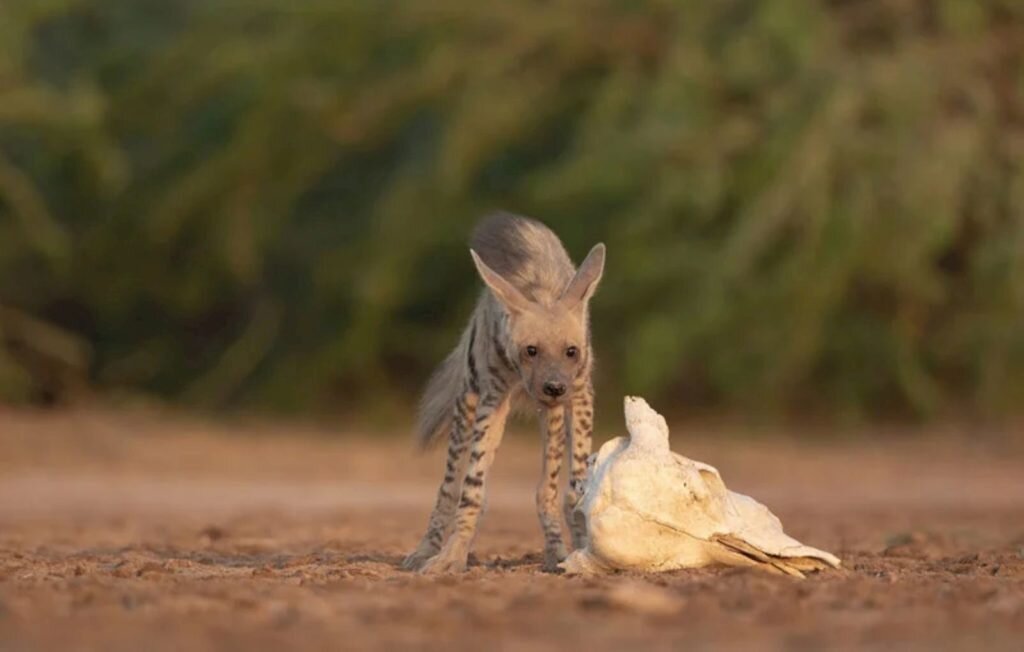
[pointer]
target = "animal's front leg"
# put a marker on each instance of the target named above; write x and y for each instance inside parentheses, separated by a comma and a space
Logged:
(547, 491)
(488, 429)
(580, 445)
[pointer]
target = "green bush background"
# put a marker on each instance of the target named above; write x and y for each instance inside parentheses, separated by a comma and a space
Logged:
(811, 206)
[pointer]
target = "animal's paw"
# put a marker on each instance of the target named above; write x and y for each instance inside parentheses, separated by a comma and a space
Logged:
(581, 562)
(451, 559)
(553, 556)
(419, 557)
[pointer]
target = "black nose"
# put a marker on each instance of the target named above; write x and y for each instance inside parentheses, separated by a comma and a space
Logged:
(554, 390)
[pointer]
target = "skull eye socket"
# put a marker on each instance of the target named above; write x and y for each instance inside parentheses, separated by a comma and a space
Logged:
(571, 352)
(531, 351)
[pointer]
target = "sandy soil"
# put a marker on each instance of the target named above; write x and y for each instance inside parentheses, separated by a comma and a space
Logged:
(135, 531)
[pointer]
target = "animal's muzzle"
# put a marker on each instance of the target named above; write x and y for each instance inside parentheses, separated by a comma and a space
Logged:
(554, 390)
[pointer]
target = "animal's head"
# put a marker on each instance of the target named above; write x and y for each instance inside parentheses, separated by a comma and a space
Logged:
(548, 342)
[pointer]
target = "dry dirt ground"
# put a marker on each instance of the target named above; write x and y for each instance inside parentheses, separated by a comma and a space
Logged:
(149, 532)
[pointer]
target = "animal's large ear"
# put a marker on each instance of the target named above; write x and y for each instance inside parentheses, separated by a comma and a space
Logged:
(583, 285)
(510, 297)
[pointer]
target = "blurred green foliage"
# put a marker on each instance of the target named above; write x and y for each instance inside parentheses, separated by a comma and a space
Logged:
(808, 205)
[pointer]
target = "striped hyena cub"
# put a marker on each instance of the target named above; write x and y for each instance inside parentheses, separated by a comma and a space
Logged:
(528, 338)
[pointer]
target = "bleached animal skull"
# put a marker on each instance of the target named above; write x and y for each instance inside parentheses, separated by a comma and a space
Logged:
(649, 509)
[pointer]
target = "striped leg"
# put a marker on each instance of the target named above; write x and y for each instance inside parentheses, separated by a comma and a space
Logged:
(495, 432)
(488, 429)
(580, 443)
(547, 490)
(447, 496)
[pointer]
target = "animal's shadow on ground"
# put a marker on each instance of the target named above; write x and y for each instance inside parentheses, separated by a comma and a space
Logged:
(375, 558)
(277, 560)
(508, 563)
(497, 562)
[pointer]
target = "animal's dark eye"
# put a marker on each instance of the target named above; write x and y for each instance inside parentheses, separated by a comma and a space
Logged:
(571, 352)
(531, 351)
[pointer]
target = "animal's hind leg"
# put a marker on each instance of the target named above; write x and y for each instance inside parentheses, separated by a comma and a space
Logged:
(547, 490)
(579, 450)
(442, 518)
(487, 433)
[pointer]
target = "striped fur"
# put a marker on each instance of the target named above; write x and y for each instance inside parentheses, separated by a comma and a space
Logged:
(528, 337)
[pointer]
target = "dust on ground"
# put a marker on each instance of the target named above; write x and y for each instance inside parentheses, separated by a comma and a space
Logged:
(127, 531)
